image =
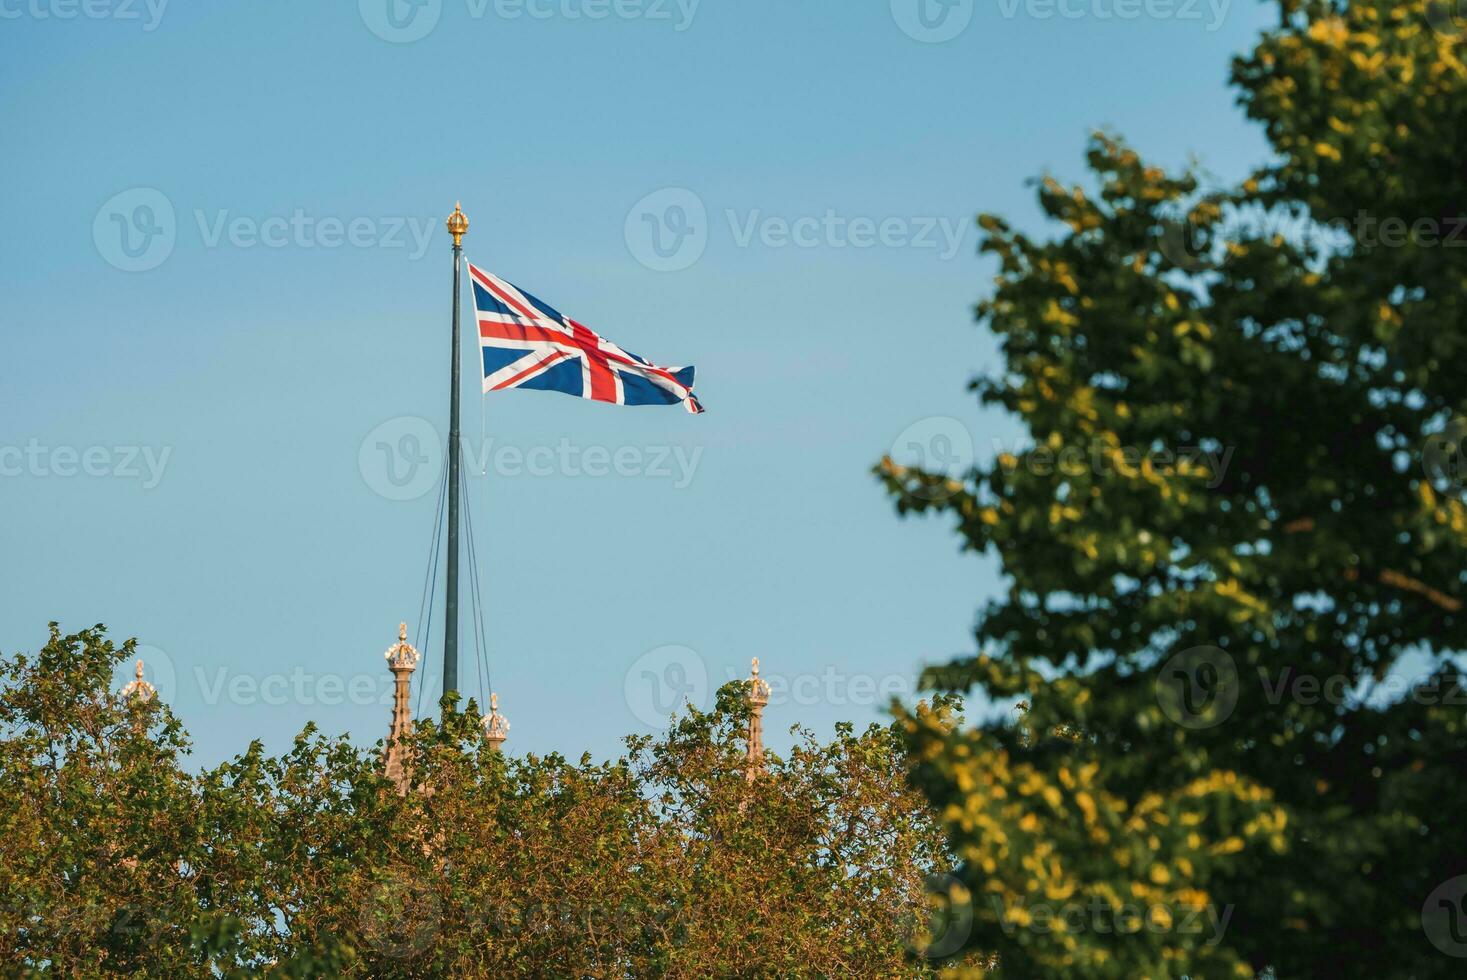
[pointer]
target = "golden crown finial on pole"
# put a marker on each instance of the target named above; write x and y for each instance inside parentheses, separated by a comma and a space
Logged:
(458, 224)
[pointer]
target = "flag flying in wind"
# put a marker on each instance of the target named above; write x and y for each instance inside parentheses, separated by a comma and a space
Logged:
(527, 344)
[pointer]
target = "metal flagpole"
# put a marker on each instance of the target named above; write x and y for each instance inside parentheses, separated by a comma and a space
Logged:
(458, 224)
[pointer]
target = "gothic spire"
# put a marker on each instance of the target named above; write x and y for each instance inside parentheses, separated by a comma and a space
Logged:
(758, 697)
(496, 728)
(402, 660)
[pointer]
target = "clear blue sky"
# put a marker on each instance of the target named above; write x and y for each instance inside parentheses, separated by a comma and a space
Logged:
(285, 311)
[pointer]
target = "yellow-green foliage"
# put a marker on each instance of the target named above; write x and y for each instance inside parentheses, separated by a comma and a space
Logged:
(1232, 397)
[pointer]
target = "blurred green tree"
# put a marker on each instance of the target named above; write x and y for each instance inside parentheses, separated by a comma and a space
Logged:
(1241, 506)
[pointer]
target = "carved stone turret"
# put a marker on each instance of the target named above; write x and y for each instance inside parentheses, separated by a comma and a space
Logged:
(758, 697)
(402, 660)
(496, 728)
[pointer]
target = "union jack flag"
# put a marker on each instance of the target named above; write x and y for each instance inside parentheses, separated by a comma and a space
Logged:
(527, 344)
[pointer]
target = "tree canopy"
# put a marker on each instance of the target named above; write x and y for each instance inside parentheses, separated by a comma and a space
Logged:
(677, 859)
(1239, 511)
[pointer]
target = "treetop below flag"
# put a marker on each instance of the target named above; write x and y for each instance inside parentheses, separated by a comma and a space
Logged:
(526, 343)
